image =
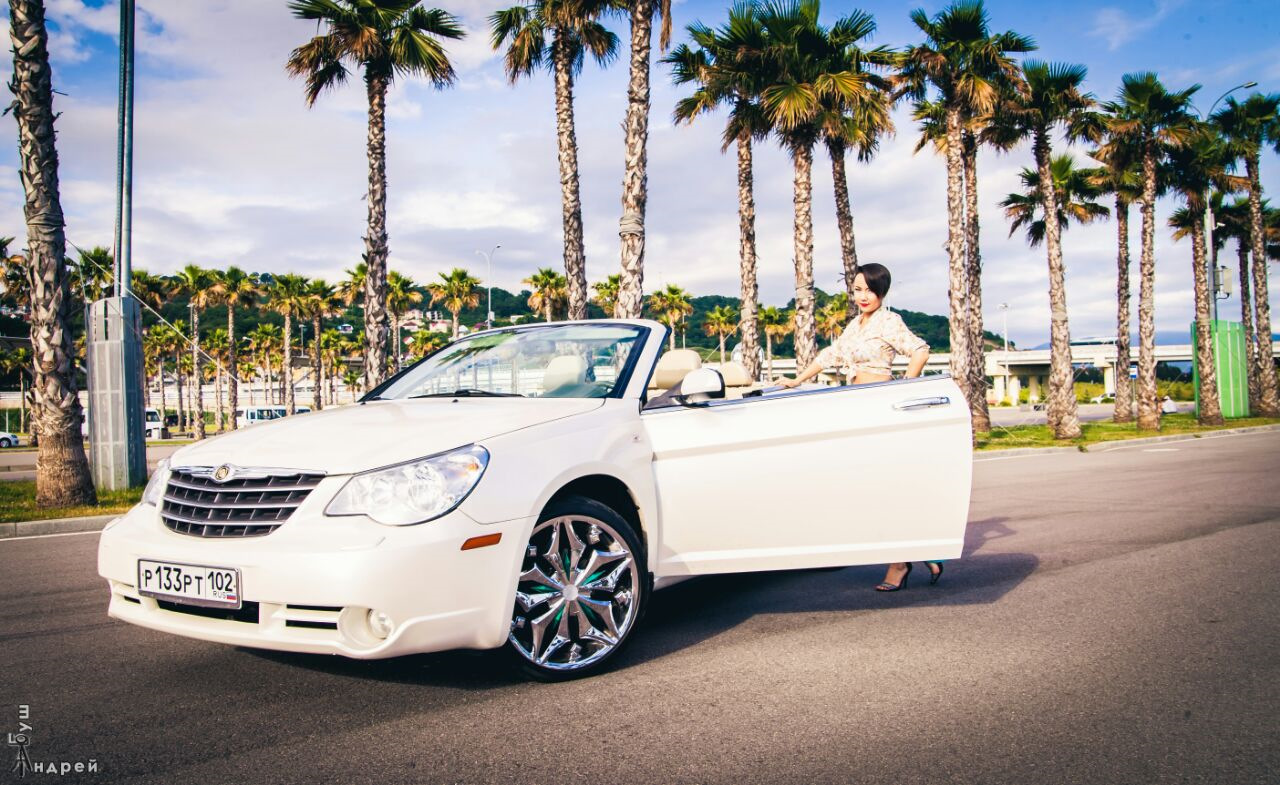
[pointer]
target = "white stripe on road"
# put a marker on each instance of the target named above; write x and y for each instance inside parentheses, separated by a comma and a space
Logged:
(39, 536)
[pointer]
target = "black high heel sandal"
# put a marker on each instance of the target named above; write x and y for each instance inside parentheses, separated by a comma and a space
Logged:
(934, 576)
(886, 586)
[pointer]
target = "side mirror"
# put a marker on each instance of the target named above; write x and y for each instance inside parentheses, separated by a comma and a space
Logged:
(699, 386)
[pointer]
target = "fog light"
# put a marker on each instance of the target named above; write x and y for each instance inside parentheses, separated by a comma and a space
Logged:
(380, 624)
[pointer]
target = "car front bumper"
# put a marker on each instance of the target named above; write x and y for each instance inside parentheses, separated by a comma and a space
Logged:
(309, 585)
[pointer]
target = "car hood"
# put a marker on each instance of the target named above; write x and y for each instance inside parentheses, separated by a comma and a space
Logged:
(366, 436)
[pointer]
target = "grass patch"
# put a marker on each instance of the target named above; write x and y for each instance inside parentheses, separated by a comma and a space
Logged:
(1098, 432)
(18, 503)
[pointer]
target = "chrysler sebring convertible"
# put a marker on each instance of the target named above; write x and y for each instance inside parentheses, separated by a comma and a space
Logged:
(528, 489)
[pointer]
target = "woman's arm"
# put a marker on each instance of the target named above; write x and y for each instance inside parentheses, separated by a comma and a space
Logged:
(813, 370)
(918, 358)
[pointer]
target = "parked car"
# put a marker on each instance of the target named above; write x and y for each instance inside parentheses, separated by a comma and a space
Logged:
(155, 429)
(9, 439)
(252, 415)
(526, 488)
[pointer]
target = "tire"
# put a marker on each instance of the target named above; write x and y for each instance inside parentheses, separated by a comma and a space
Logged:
(5, 443)
(571, 624)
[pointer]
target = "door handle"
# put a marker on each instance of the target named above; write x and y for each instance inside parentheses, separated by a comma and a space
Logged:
(922, 403)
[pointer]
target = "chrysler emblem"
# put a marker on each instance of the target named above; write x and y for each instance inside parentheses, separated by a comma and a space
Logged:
(223, 473)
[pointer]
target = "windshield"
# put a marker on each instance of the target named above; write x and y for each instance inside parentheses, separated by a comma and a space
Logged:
(559, 361)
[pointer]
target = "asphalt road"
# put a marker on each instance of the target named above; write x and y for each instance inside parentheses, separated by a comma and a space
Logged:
(20, 464)
(1114, 620)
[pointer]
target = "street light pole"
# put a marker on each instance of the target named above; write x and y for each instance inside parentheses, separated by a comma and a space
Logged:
(488, 322)
(1209, 224)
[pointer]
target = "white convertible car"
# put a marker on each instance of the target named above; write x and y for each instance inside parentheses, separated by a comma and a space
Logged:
(526, 488)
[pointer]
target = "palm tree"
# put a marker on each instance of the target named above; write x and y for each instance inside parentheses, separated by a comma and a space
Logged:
(810, 68)
(91, 274)
(1152, 120)
(351, 289)
(1249, 125)
(263, 342)
(234, 288)
(402, 294)
(635, 193)
(1074, 192)
(1053, 98)
(548, 291)
(969, 70)
(606, 297)
(671, 305)
(833, 316)
(725, 72)
(721, 321)
(1120, 176)
(457, 291)
(558, 34)
(352, 379)
(386, 38)
(174, 339)
(217, 344)
(288, 297)
(425, 342)
(777, 324)
(62, 469)
(1195, 167)
(1234, 222)
(19, 360)
(322, 302)
(197, 285)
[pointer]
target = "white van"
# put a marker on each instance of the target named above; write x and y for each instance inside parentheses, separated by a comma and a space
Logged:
(252, 415)
(153, 423)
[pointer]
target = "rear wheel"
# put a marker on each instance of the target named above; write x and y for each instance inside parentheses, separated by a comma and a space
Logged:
(5, 443)
(583, 588)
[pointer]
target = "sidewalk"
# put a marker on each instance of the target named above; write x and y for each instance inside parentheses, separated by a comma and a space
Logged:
(89, 523)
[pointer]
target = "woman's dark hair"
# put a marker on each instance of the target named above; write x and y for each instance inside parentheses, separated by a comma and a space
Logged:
(877, 277)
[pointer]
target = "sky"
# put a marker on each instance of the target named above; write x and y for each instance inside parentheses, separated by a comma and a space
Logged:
(231, 167)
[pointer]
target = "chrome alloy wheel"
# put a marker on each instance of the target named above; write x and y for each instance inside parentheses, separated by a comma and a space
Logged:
(576, 597)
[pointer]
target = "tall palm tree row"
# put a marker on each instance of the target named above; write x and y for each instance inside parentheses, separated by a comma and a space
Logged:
(968, 70)
(606, 294)
(1149, 118)
(384, 38)
(549, 291)
(721, 321)
(722, 68)
(402, 295)
(671, 306)
(777, 323)
(235, 288)
(322, 302)
(196, 284)
(62, 468)
(558, 34)
(635, 190)
(288, 297)
(1249, 125)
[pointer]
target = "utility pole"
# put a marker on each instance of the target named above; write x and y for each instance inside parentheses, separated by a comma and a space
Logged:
(117, 444)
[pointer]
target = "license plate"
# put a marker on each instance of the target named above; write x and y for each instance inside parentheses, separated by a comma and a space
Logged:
(191, 584)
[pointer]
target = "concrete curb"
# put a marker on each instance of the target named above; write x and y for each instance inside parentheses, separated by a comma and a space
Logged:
(88, 523)
(986, 455)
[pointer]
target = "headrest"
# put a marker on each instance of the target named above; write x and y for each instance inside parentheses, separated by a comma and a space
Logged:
(564, 371)
(673, 366)
(735, 375)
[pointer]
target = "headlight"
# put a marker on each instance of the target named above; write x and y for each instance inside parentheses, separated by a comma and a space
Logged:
(413, 492)
(153, 494)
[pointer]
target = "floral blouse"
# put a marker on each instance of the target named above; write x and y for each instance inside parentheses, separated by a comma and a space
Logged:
(870, 347)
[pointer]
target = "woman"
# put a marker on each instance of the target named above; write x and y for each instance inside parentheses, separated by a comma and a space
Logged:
(864, 354)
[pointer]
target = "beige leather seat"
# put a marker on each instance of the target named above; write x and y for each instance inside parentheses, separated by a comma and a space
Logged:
(672, 367)
(563, 374)
(736, 380)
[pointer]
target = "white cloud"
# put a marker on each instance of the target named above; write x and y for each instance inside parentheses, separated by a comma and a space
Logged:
(1118, 26)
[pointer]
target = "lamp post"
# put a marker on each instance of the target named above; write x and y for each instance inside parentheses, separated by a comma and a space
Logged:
(488, 322)
(1209, 224)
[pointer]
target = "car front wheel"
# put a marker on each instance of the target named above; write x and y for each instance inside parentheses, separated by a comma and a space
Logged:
(5, 443)
(582, 589)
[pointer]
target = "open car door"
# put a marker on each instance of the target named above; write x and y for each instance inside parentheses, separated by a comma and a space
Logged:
(866, 474)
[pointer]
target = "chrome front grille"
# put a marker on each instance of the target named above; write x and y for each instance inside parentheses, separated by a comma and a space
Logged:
(246, 503)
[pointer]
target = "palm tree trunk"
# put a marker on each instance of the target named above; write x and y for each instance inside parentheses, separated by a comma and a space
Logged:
(748, 325)
(1246, 320)
(635, 194)
(1124, 386)
(1148, 408)
(375, 241)
(287, 370)
(196, 376)
(62, 469)
(957, 268)
(455, 324)
(806, 328)
(671, 336)
(979, 414)
(1269, 396)
(217, 391)
(177, 377)
(316, 369)
(395, 335)
(1209, 407)
(575, 258)
(844, 218)
(722, 352)
(233, 367)
(1062, 411)
(768, 353)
